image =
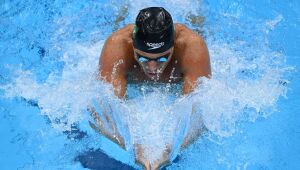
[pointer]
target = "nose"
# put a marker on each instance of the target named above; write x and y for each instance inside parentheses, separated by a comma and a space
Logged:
(152, 66)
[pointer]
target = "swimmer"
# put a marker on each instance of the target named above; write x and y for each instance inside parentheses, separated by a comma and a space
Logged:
(153, 49)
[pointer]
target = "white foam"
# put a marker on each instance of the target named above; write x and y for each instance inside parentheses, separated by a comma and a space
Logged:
(63, 97)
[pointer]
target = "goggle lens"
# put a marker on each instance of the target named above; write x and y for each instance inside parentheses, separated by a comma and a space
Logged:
(142, 59)
(161, 59)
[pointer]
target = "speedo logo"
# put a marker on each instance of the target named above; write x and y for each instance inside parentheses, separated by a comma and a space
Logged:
(155, 45)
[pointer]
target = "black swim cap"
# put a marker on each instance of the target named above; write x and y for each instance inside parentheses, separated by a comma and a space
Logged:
(154, 30)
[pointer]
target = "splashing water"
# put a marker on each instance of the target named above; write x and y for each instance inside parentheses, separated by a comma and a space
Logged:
(155, 119)
(247, 81)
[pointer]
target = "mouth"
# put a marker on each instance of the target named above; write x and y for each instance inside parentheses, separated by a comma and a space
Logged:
(153, 74)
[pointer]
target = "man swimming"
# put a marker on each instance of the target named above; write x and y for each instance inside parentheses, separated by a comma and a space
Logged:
(152, 49)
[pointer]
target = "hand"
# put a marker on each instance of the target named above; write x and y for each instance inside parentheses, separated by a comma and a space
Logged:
(140, 157)
(165, 160)
(147, 165)
(112, 132)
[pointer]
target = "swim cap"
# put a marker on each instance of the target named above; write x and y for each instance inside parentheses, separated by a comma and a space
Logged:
(154, 30)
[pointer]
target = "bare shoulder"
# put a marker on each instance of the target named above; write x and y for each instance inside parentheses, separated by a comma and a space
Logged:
(186, 36)
(192, 51)
(116, 51)
(121, 35)
(118, 44)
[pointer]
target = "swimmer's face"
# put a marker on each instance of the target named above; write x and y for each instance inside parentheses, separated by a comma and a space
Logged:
(153, 64)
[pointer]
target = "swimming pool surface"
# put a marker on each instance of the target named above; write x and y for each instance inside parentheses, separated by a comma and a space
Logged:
(49, 52)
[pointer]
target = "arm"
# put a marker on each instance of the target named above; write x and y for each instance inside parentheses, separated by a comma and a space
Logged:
(196, 128)
(195, 63)
(99, 126)
(114, 62)
(113, 66)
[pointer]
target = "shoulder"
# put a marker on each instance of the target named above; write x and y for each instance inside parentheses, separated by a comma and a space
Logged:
(122, 35)
(193, 52)
(117, 50)
(119, 42)
(186, 36)
(190, 44)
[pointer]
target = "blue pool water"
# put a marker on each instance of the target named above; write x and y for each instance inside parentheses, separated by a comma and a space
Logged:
(49, 53)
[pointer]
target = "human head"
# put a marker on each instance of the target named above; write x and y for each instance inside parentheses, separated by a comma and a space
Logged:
(153, 36)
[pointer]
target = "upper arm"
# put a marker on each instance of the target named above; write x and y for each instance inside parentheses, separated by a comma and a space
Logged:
(112, 64)
(195, 63)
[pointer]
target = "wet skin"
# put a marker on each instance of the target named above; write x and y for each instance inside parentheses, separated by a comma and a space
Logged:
(119, 66)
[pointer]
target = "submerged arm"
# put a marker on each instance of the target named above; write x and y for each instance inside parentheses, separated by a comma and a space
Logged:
(196, 129)
(112, 132)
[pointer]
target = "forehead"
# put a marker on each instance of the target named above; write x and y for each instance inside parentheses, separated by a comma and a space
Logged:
(152, 55)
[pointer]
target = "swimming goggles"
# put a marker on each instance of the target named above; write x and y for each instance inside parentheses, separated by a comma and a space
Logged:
(161, 59)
